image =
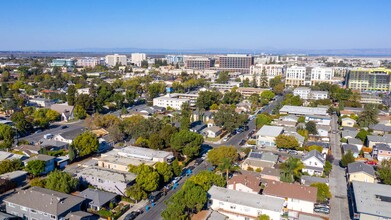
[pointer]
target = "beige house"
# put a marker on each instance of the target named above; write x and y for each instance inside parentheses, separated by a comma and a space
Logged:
(348, 122)
(359, 171)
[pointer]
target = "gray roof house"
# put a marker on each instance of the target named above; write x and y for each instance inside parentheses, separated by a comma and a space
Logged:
(375, 139)
(371, 200)
(350, 147)
(19, 177)
(313, 163)
(349, 134)
(259, 160)
(40, 203)
(97, 198)
(80, 215)
(380, 128)
(49, 162)
(267, 134)
(361, 167)
(308, 180)
(68, 136)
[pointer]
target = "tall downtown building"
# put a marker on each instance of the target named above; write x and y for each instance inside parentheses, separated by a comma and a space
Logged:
(236, 63)
(199, 63)
(115, 59)
(371, 79)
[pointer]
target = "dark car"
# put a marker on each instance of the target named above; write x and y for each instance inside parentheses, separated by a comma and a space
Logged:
(64, 126)
(131, 215)
(322, 210)
(198, 161)
(242, 142)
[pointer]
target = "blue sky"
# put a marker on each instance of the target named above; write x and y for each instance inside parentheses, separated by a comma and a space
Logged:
(195, 24)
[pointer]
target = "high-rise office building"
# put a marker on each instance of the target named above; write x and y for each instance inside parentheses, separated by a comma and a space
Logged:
(174, 59)
(115, 59)
(89, 61)
(137, 58)
(239, 61)
(372, 79)
(198, 63)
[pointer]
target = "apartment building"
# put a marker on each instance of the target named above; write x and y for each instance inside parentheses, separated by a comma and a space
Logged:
(248, 91)
(175, 59)
(235, 63)
(198, 63)
(89, 62)
(321, 74)
(295, 76)
(306, 93)
(170, 101)
(112, 60)
(369, 79)
(137, 58)
(63, 63)
(244, 205)
(223, 87)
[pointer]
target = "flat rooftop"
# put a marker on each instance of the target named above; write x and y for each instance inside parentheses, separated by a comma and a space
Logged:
(300, 110)
(125, 161)
(112, 175)
(140, 153)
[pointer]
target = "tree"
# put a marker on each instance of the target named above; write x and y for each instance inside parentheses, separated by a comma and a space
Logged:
(327, 168)
(40, 182)
(301, 119)
(263, 119)
(232, 97)
(323, 193)
(136, 192)
(278, 89)
(286, 142)
(226, 166)
(315, 147)
(79, 112)
(255, 100)
(267, 94)
(384, 172)
(85, 143)
(223, 77)
(176, 167)
(187, 143)
(291, 170)
(208, 98)
(61, 182)
(71, 153)
(7, 134)
(246, 82)
(21, 123)
(347, 158)
(154, 89)
(155, 142)
(164, 170)
(264, 83)
(119, 100)
(147, 178)
(263, 217)
(71, 95)
(362, 135)
(311, 127)
(7, 166)
(290, 99)
(185, 116)
(368, 116)
(144, 63)
(216, 155)
(35, 167)
(228, 118)
(207, 179)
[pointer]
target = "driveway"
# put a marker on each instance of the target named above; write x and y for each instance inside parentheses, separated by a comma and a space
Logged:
(338, 187)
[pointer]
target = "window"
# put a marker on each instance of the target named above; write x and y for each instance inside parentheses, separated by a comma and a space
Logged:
(11, 205)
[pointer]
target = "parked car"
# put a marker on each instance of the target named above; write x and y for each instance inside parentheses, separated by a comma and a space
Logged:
(64, 126)
(225, 139)
(154, 196)
(198, 161)
(176, 179)
(320, 205)
(131, 215)
(322, 210)
(242, 142)
(293, 152)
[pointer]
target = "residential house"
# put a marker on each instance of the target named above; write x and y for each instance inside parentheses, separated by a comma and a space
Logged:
(349, 134)
(290, 118)
(212, 132)
(49, 162)
(107, 180)
(319, 119)
(80, 215)
(61, 162)
(356, 141)
(359, 171)
(245, 183)
(308, 180)
(372, 140)
(313, 163)
(324, 145)
(69, 136)
(243, 205)
(10, 156)
(64, 109)
(381, 152)
(371, 200)
(269, 173)
(292, 132)
(348, 122)
(41, 102)
(267, 134)
(291, 124)
(380, 129)
(323, 130)
(197, 126)
(19, 177)
(297, 197)
(28, 149)
(243, 107)
(43, 204)
(259, 160)
(350, 147)
(98, 199)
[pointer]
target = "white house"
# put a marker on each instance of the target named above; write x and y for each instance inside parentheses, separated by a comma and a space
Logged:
(267, 134)
(242, 205)
(313, 163)
(297, 197)
(85, 91)
(213, 131)
(317, 95)
(168, 101)
(303, 92)
(245, 183)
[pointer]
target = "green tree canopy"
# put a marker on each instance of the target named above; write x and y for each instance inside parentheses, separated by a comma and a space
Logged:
(79, 112)
(136, 192)
(187, 142)
(208, 98)
(85, 143)
(263, 119)
(7, 166)
(216, 155)
(291, 170)
(286, 142)
(268, 95)
(147, 178)
(385, 172)
(315, 147)
(311, 127)
(7, 134)
(164, 170)
(228, 118)
(362, 135)
(223, 77)
(61, 182)
(368, 116)
(347, 158)
(35, 167)
(323, 191)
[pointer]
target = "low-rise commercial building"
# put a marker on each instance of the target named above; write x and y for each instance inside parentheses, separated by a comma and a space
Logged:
(300, 110)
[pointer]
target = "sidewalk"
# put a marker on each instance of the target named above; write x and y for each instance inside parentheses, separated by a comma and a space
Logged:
(139, 205)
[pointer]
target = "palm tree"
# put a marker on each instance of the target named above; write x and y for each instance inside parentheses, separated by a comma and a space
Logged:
(226, 165)
(291, 169)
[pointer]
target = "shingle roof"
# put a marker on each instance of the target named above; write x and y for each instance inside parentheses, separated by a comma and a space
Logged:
(380, 127)
(42, 157)
(308, 180)
(384, 147)
(270, 172)
(375, 138)
(354, 141)
(97, 197)
(290, 190)
(264, 156)
(246, 199)
(72, 134)
(270, 131)
(317, 143)
(351, 147)
(361, 167)
(349, 133)
(45, 200)
(250, 181)
(314, 153)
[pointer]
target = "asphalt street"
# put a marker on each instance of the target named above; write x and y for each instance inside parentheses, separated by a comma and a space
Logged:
(339, 203)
